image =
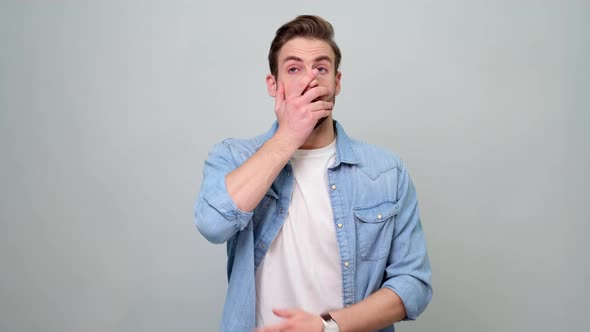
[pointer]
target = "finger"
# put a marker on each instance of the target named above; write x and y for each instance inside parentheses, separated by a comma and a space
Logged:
(320, 105)
(321, 114)
(305, 83)
(284, 313)
(279, 96)
(311, 85)
(315, 93)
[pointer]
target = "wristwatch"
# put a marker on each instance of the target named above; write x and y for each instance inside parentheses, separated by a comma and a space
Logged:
(330, 324)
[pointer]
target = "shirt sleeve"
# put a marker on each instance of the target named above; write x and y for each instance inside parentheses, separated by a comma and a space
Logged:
(408, 271)
(216, 215)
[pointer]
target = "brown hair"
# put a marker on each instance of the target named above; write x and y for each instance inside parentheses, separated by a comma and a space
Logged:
(306, 26)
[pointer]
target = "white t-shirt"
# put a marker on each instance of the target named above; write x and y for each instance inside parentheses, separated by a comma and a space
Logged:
(302, 267)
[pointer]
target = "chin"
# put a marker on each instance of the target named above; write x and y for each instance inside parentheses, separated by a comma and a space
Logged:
(319, 123)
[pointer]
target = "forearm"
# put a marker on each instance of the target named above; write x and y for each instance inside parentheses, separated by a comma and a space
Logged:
(248, 184)
(381, 309)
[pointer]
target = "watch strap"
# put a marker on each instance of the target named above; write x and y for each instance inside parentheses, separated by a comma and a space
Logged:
(326, 316)
(330, 323)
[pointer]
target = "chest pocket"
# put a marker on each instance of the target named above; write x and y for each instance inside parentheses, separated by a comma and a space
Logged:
(374, 229)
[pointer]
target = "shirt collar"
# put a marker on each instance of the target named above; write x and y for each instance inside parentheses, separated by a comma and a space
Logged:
(344, 149)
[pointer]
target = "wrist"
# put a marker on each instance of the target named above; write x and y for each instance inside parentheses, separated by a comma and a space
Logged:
(285, 144)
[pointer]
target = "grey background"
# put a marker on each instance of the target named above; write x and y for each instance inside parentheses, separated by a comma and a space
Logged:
(108, 110)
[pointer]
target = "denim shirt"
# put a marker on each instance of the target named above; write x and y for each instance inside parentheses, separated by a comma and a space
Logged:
(375, 208)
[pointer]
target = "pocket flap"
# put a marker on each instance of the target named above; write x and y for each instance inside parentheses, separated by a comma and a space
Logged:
(377, 213)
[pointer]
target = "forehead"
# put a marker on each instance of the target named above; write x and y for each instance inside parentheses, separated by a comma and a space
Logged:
(306, 49)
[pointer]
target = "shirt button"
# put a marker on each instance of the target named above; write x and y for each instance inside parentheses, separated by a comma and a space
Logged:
(333, 187)
(281, 210)
(262, 245)
(379, 216)
(346, 264)
(340, 225)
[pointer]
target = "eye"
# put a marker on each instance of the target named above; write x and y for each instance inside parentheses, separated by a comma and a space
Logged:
(322, 69)
(292, 70)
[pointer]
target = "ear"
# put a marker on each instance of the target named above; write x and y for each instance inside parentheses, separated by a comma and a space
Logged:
(338, 77)
(271, 85)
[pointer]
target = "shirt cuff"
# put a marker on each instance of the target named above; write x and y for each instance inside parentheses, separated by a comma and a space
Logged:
(415, 295)
(220, 200)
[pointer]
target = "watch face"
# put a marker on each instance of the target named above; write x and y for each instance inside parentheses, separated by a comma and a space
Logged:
(330, 324)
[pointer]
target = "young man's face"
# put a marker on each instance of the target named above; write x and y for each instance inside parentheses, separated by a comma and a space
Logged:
(296, 59)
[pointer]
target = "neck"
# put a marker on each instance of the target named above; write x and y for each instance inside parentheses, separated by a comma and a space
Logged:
(321, 136)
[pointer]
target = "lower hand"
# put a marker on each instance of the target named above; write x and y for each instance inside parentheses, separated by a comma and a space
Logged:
(294, 320)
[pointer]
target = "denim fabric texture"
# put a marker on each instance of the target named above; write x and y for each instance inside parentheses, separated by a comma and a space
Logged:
(376, 217)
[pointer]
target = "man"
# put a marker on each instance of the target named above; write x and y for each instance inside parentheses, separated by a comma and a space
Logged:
(323, 231)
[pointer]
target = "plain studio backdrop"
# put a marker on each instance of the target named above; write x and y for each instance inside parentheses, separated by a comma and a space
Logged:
(109, 108)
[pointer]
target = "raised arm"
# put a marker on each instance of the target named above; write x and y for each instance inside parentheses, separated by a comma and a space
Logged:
(230, 192)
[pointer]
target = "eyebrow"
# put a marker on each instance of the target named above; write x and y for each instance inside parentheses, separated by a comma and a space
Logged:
(298, 59)
(323, 58)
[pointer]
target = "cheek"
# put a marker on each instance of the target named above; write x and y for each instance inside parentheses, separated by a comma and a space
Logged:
(327, 81)
(330, 84)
